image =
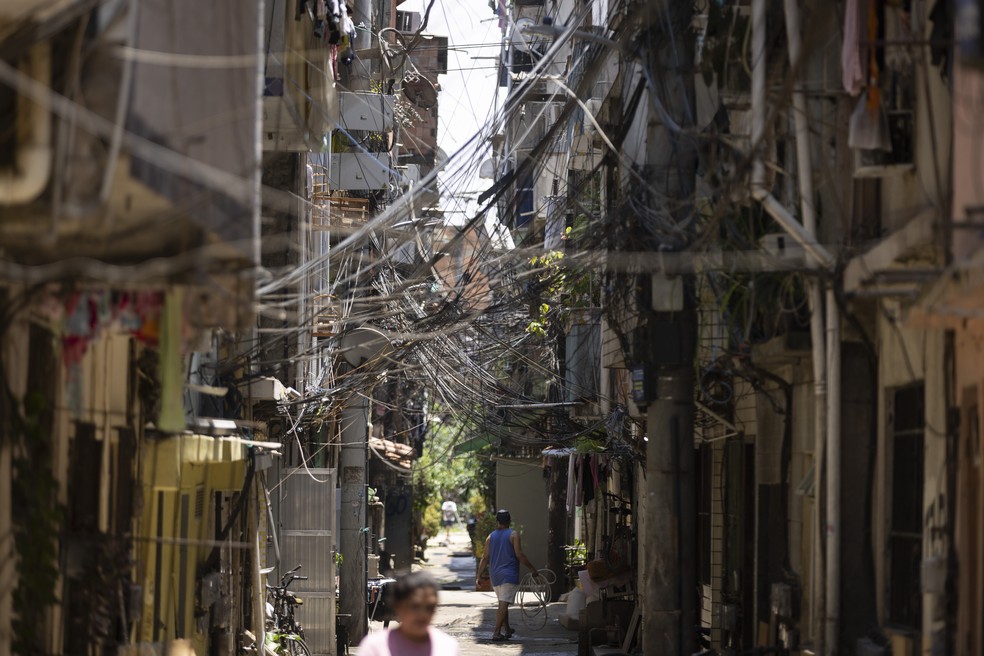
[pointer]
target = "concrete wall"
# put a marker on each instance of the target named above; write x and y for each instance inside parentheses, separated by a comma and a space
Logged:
(522, 490)
(969, 508)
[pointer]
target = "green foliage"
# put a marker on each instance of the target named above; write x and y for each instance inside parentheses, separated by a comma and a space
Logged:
(467, 479)
(758, 307)
(725, 48)
(37, 522)
(485, 525)
(562, 289)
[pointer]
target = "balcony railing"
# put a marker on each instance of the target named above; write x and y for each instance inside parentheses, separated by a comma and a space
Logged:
(326, 316)
(330, 212)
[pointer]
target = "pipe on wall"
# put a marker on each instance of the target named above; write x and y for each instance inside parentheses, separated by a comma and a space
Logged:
(804, 168)
(28, 178)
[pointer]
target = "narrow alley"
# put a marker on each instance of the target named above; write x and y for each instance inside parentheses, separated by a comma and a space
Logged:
(680, 300)
(469, 616)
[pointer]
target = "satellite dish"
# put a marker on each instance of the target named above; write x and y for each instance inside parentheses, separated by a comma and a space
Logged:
(420, 91)
(486, 170)
(363, 345)
(521, 36)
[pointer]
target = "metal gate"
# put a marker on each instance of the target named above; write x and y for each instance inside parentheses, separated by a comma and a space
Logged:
(307, 537)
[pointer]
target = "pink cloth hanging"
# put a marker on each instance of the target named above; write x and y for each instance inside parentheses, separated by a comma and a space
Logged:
(852, 74)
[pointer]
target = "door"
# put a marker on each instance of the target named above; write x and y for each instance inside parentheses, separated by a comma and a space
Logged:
(307, 538)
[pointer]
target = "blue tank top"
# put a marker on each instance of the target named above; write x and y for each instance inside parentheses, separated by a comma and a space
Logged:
(503, 564)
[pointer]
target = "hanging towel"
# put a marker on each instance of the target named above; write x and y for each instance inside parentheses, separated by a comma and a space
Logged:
(570, 484)
(578, 489)
(853, 76)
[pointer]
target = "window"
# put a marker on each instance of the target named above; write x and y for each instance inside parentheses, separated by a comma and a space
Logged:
(407, 21)
(906, 423)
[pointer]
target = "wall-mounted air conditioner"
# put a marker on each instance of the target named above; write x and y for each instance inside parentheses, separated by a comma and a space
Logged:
(359, 171)
(365, 111)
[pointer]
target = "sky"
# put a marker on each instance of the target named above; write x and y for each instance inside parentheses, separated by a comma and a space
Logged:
(468, 90)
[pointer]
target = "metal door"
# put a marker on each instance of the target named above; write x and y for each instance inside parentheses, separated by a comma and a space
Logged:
(307, 538)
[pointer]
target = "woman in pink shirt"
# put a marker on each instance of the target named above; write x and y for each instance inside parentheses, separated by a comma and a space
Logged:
(414, 599)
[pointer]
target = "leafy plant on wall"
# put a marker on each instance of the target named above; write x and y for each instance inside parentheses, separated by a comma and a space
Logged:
(36, 522)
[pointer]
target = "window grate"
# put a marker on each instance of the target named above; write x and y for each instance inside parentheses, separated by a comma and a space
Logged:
(907, 421)
(199, 501)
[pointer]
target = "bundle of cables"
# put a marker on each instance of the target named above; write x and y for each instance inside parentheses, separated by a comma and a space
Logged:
(534, 595)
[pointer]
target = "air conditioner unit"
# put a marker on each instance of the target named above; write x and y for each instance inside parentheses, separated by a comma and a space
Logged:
(365, 111)
(359, 171)
(411, 175)
(281, 131)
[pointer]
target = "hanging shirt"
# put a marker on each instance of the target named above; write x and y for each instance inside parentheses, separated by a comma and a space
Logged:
(450, 511)
(503, 563)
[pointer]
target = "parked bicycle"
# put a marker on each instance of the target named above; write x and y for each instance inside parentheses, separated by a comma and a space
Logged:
(284, 633)
(617, 545)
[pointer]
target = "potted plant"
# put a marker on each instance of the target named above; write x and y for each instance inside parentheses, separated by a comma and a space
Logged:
(485, 525)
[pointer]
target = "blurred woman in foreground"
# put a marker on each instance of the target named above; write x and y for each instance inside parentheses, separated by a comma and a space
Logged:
(414, 600)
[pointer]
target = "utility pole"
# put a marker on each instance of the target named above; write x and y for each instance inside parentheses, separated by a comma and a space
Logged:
(667, 540)
(668, 569)
(363, 348)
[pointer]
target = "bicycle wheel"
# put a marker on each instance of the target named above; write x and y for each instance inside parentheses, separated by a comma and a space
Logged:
(295, 646)
(618, 553)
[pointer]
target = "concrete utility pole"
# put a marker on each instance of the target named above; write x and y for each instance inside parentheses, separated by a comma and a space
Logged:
(667, 538)
(363, 347)
(668, 574)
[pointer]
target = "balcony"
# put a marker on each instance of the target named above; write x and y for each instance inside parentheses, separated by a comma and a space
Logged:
(339, 213)
(325, 314)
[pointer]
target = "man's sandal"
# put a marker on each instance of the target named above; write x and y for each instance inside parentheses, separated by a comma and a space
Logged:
(499, 638)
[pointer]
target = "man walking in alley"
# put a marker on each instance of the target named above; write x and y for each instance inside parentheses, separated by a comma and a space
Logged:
(449, 516)
(503, 555)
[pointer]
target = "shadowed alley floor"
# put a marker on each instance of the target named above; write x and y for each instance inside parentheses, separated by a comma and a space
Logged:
(469, 616)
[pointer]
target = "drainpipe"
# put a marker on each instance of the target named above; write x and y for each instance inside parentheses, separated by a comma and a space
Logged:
(817, 336)
(832, 617)
(804, 235)
(25, 182)
(758, 97)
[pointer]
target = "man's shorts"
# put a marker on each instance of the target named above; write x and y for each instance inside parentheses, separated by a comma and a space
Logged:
(506, 592)
(447, 522)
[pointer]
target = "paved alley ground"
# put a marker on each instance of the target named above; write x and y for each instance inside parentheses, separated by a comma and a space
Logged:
(469, 616)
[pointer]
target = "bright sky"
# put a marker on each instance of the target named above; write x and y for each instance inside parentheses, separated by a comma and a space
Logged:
(468, 90)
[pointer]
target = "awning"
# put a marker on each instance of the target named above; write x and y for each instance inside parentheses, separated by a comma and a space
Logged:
(472, 445)
(400, 455)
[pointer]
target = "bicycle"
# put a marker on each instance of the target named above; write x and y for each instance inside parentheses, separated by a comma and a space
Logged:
(284, 633)
(617, 547)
